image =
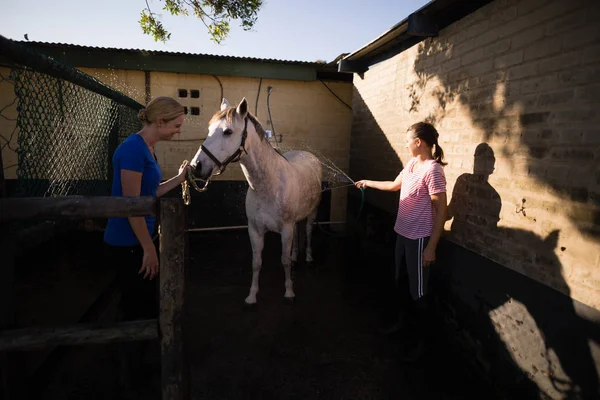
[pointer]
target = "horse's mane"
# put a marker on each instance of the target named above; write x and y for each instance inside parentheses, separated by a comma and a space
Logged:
(230, 113)
(259, 129)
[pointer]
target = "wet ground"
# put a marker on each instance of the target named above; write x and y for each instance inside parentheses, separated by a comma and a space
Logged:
(326, 345)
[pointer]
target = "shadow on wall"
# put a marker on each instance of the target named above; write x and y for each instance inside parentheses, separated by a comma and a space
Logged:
(541, 116)
(545, 114)
(540, 122)
(559, 359)
(373, 157)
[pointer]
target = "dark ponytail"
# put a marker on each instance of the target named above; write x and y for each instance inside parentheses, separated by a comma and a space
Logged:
(427, 133)
(438, 154)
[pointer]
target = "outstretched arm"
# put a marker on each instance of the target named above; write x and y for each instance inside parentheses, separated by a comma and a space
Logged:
(388, 186)
(175, 181)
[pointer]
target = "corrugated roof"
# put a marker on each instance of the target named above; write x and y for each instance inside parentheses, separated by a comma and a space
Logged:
(171, 53)
(179, 62)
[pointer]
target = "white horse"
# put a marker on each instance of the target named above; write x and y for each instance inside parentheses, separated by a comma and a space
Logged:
(283, 189)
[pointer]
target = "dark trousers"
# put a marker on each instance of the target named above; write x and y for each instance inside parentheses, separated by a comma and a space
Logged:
(139, 300)
(139, 297)
(409, 252)
(410, 274)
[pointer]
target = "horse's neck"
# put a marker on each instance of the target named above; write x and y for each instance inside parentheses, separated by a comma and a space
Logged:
(262, 165)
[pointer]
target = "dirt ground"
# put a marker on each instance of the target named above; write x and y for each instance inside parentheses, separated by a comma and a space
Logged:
(326, 345)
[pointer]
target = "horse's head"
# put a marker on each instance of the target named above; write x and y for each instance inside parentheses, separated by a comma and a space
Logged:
(227, 132)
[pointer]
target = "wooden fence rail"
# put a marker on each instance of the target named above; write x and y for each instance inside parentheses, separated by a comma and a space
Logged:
(76, 207)
(173, 258)
(36, 338)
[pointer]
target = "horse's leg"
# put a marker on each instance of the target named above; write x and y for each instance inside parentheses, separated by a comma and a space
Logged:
(309, 227)
(287, 236)
(257, 240)
(295, 244)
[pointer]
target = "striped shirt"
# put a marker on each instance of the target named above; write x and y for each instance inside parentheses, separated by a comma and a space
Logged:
(415, 210)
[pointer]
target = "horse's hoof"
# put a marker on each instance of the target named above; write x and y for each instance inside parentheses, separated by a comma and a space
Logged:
(250, 306)
(290, 300)
(250, 300)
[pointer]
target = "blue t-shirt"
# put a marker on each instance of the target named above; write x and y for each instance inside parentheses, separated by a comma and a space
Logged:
(134, 155)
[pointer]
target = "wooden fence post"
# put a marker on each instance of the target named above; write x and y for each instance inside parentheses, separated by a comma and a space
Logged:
(173, 259)
(10, 372)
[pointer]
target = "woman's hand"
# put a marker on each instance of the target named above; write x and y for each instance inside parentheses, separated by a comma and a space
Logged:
(361, 184)
(183, 171)
(149, 263)
(428, 256)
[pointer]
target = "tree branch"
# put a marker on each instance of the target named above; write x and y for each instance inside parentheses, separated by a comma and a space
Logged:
(218, 12)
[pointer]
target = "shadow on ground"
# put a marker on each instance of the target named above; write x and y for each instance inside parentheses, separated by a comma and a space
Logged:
(324, 346)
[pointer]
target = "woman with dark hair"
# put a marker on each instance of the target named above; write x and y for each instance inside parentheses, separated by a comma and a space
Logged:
(421, 212)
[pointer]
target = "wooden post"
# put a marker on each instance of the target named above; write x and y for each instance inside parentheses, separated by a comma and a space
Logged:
(9, 368)
(7, 277)
(173, 259)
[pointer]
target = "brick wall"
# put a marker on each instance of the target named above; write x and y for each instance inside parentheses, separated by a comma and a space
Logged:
(514, 91)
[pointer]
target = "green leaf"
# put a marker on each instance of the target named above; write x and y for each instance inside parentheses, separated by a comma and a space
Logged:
(215, 14)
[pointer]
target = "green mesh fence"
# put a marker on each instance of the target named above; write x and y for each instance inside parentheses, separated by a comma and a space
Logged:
(68, 125)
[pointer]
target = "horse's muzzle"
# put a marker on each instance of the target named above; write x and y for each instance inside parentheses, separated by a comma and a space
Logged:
(197, 170)
(201, 173)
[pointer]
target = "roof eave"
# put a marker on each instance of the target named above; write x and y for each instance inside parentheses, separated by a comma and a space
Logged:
(146, 60)
(423, 23)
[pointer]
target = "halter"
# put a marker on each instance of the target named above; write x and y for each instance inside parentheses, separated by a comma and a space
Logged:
(232, 158)
(190, 181)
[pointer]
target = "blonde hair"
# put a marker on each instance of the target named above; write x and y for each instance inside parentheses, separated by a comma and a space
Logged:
(165, 108)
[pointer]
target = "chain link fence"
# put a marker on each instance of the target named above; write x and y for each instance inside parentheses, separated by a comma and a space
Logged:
(67, 127)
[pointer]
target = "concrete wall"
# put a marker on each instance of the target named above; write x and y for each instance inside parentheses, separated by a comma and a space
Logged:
(305, 115)
(513, 91)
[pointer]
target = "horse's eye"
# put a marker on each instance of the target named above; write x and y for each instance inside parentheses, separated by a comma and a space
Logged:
(227, 132)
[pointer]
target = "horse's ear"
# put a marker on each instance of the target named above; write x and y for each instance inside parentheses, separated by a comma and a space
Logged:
(242, 108)
(224, 104)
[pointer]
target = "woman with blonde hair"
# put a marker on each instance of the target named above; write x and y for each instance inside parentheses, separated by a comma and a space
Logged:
(137, 173)
(129, 240)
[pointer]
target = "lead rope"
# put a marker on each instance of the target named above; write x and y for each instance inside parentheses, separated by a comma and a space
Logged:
(185, 187)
